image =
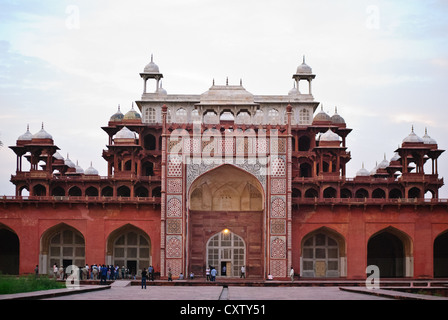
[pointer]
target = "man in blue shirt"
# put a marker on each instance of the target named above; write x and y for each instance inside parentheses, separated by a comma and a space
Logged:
(213, 274)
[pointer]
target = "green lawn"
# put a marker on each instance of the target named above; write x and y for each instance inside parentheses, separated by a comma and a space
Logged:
(28, 283)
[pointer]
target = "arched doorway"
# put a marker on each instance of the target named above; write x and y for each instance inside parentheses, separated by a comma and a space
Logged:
(390, 250)
(9, 251)
(63, 245)
(323, 254)
(226, 198)
(129, 246)
(441, 256)
(226, 252)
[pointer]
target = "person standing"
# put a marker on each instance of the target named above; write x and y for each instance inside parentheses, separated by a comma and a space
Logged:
(144, 274)
(151, 273)
(243, 272)
(207, 273)
(291, 274)
(213, 274)
(170, 275)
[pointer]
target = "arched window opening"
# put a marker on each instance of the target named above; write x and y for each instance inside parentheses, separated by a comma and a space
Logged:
(361, 193)
(346, 193)
(156, 192)
(123, 191)
(395, 194)
(75, 192)
(330, 192)
(58, 192)
(305, 170)
(39, 190)
(148, 169)
(311, 193)
(107, 192)
(141, 192)
(304, 143)
(414, 193)
(149, 142)
(92, 192)
(378, 194)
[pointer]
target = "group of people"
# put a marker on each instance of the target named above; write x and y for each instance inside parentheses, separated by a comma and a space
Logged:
(100, 272)
(211, 272)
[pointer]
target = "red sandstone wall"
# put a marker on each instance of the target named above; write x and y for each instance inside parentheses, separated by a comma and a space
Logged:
(420, 225)
(95, 223)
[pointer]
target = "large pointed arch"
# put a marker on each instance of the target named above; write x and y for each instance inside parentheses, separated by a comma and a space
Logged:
(228, 178)
(440, 260)
(392, 251)
(62, 245)
(129, 246)
(9, 251)
(323, 254)
(209, 214)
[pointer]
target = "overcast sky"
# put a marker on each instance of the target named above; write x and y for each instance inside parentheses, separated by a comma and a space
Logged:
(69, 64)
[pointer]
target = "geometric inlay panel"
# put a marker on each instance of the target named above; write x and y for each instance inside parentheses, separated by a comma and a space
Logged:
(278, 207)
(278, 186)
(173, 247)
(278, 248)
(175, 167)
(174, 185)
(174, 207)
(174, 226)
(278, 268)
(278, 226)
(175, 265)
(278, 166)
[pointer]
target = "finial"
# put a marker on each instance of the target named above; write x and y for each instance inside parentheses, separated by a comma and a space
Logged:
(151, 57)
(303, 60)
(118, 107)
(412, 128)
(213, 82)
(384, 155)
(363, 164)
(132, 105)
(335, 109)
(426, 130)
(42, 125)
(227, 81)
(322, 106)
(28, 127)
(241, 82)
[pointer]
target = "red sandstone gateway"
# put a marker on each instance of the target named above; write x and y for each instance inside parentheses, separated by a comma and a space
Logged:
(227, 180)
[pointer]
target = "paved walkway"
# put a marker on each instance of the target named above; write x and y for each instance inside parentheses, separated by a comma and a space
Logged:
(123, 290)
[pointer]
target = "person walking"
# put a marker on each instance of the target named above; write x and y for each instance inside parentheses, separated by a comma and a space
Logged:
(144, 274)
(151, 273)
(291, 274)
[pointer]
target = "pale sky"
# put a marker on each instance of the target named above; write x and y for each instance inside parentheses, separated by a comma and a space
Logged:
(69, 64)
